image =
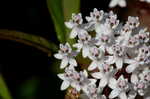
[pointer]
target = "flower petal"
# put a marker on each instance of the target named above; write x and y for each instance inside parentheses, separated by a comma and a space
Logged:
(134, 78)
(85, 51)
(92, 66)
(119, 63)
(113, 3)
(61, 76)
(114, 93)
(112, 83)
(72, 62)
(65, 85)
(103, 82)
(74, 33)
(92, 81)
(76, 86)
(58, 56)
(97, 75)
(130, 68)
(64, 63)
(85, 73)
(123, 95)
(122, 3)
(110, 60)
(69, 25)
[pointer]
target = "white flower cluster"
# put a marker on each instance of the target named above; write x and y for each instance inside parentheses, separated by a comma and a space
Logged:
(122, 3)
(119, 55)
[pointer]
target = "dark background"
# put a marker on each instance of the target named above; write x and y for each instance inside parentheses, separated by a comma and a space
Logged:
(18, 62)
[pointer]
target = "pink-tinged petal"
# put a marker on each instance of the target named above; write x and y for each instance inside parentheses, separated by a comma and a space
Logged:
(130, 68)
(65, 85)
(103, 82)
(119, 63)
(58, 56)
(112, 83)
(98, 75)
(64, 63)
(123, 95)
(61, 76)
(74, 33)
(72, 62)
(69, 25)
(85, 51)
(134, 78)
(114, 93)
(110, 60)
(93, 65)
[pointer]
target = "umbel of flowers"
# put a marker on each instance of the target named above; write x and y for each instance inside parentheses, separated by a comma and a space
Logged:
(119, 54)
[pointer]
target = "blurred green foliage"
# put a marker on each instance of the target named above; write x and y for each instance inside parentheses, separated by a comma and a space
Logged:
(4, 93)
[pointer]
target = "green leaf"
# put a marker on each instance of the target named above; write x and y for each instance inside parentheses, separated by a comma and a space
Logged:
(61, 11)
(4, 93)
(29, 39)
(56, 11)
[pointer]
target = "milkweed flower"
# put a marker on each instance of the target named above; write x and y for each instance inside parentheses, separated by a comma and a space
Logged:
(118, 57)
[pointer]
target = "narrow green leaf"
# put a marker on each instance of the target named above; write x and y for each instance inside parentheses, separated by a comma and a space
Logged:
(29, 39)
(4, 93)
(56, 11)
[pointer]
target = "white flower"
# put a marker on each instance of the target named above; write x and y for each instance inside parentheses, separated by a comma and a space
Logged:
(95, 16)
(75, 24)
(133, 42)
(104, 41)
(66, 55)
(91, 92)
(138, 85)
(82, 82)
(104, 75)
(74, 79)
(112, 20)
(67, 77)
(97, 57)
(145, 75)
(140, 60)
(143, 36)
(133, 22)
(118, 56)
(84, 43)
(119, 87)
(121, 3)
